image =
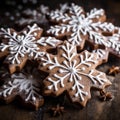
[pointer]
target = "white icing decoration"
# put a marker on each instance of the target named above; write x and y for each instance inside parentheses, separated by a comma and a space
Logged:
(43, 9)
(73, 70)
(64, 7)
(31, 16)
(28, 85)
(100, 53)
(25, 43)
(114, 42)
(44, 41)
(80, 24)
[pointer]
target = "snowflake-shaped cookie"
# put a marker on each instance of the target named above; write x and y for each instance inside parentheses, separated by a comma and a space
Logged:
(27, 87)
(18, 47)
(79, 26)
(30, 16)
(72, 72)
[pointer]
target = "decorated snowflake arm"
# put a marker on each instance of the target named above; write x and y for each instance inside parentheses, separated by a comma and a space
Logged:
(3, 47)
(95, 14)
(64, 7)
(76, 38)
(54, 81)
(51, 63)
(59, 16)
(69, 51)
(103, 27)
(76, 11)
(97, 78)
(79, 89)
(87, 59)
(48, 41)
(31, 30)
(102, 55)
(114, 43)
(60, 30)
(97, 38)
(8, 88)
(9, 34)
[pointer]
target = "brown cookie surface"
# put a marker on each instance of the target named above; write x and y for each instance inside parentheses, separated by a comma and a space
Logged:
(80, 27)
(24, 45)
(102, 55)
(25, 86)
(72, 72)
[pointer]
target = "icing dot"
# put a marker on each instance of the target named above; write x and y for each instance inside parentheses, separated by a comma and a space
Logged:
(83, 68)
(86, 93)
(4, 86)
(35, 34)
(49, 87)
(50, 67)
(76, 95)
(33, 98)
(60, 71)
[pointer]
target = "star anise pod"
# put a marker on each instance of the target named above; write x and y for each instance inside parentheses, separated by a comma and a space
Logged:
(114, 70)
(57, 110)
(105, 96)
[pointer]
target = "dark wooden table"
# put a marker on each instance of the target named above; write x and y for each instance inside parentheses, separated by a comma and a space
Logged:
(95, 109)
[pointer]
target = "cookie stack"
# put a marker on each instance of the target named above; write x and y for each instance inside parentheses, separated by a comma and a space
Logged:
(57, 51)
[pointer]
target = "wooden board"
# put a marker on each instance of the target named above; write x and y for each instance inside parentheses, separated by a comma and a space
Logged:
(95, 109)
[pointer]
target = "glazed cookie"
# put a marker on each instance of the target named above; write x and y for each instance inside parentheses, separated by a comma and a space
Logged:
(30, 16)
(73, 73)
(24, 86)
(79, 26)
(24, 45)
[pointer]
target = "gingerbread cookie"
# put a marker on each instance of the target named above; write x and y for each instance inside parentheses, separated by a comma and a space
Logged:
(30, 16)
(73, 73)
(24, 45)
(25, 86)
(79, 26)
